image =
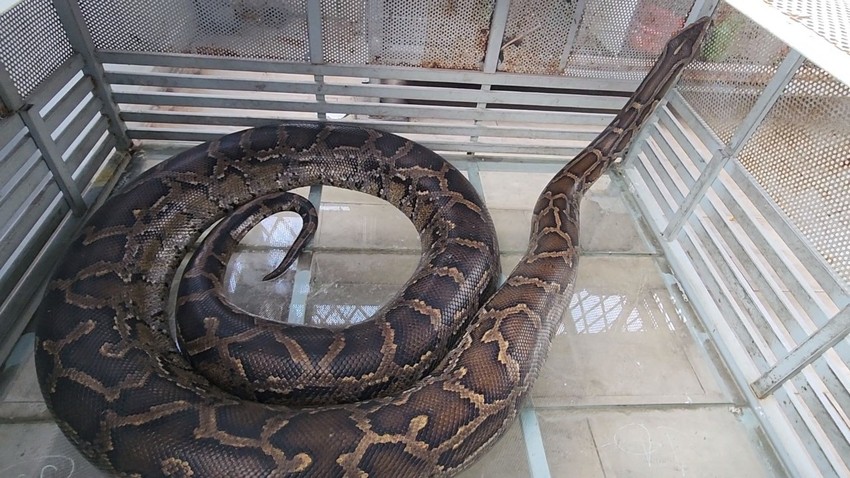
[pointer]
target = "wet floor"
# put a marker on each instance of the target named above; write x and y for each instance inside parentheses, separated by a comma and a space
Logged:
(630, 387)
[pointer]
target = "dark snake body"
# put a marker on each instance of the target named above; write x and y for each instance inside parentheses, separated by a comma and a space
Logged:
(127, 398)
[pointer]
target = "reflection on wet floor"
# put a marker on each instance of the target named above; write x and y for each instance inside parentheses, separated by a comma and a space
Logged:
(627, 390)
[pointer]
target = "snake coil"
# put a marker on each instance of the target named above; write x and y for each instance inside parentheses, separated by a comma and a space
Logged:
(124, 394)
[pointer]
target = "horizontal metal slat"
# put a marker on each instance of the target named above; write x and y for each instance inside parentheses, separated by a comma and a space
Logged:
(23, 240)
(76, 128)
(815, 265)
(754, 324)
(68, 103)
(10, 128)
(44, 97)
(177, 134)
(662, 200)
(84, 174)
(789, 318)
(782, 264)
(19, 152)
(400, 92)
(665, 149)
(397, 127)
(85, 147)
(365, 71)
(675, 190)
(758, 351)
(380, 109)
(25, 159)
(681, 107)
(668, 123)
(18, 197)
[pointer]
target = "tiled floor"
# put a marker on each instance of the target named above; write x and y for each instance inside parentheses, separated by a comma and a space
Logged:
(628, 388)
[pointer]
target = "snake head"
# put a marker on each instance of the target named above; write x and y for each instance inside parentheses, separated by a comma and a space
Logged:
(686, 43)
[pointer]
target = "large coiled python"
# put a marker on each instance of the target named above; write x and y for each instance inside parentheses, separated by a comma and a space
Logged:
(125, 395)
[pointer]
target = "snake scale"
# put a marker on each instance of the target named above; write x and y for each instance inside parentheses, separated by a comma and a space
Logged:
(425, 387)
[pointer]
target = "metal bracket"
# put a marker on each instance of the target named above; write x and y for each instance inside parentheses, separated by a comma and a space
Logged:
(804, 354)
(772, 92)
(78, 35)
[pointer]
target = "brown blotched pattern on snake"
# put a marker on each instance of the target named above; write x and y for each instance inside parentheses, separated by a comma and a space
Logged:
(129, 400)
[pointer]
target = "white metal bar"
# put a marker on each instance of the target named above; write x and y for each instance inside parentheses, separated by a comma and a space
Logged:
(669, 123)
(690, 118)
(807, 352)
(46, 92)
(201, 135)
(384, 109)
(366, 71)
(773, 90)
(832, 285)
(371, 90)
(52, 156)
(68, 103)
(178, 117)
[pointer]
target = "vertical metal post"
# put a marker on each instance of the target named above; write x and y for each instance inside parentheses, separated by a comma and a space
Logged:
(301, 284)
(784, 73)
(494, 48)
(804, 354)
(317, 56)
(74, 24)
(40, 135)
(578, 14)
(497, 33)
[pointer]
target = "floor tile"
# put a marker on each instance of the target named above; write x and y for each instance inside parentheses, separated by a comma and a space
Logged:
(709, 442)
(622, 341)
(41, 450)
(506, 459)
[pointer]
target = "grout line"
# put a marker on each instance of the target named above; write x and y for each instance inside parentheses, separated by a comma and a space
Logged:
(617, 407)
(595, 446)
(534, 449)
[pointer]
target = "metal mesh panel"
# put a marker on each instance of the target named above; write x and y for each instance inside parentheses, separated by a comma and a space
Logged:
(243, 28)
(799, 155)
(620, 39)
(434, 34)
(535, 36)
(344, 32)
(32, 43)
(828, 18)
(737, 60)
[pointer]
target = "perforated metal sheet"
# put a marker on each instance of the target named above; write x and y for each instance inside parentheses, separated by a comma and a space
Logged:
(828, 18)
(800, 155)
(535, 36)
(241, 28)
(344, 31)
(436, 34)
(29, 61)
(737, 60)
(618, 39)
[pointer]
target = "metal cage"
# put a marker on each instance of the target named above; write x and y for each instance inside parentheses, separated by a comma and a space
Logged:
(743, 176)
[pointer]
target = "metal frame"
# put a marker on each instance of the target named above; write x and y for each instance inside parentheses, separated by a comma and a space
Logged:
(779, 322)
(781, 329)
